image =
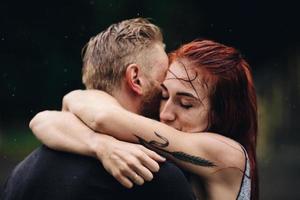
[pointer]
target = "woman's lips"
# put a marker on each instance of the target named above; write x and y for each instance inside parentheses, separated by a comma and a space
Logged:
(173, 126)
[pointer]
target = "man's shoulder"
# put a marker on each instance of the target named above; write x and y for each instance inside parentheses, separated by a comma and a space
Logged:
(46, 161)
(50, 174)
(53, 175)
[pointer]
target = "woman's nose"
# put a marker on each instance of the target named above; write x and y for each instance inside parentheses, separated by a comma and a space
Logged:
(167, 113)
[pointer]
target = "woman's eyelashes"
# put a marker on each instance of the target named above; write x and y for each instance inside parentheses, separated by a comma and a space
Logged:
(164, 96)
(185, 105)
(177, 101)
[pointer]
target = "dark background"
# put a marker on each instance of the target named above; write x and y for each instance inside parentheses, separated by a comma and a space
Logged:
(40, 61)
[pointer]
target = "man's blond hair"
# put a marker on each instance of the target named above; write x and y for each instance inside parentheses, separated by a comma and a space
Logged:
(107, 55)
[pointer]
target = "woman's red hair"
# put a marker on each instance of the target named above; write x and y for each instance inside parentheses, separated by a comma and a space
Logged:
(232, 94)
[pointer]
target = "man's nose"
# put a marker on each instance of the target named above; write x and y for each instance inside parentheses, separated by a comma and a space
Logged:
(167, 113)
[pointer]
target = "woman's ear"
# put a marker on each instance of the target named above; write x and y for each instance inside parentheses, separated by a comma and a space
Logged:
(133, 78)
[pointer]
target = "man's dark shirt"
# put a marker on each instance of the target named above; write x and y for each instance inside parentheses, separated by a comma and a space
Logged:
(52, 175)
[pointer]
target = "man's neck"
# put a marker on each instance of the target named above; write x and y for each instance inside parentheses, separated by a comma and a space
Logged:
(127, 100)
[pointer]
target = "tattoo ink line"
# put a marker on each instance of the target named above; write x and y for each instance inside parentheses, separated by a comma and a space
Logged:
(156, 146)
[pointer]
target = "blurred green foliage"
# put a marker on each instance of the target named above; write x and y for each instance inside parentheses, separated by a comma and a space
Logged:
(17, 144)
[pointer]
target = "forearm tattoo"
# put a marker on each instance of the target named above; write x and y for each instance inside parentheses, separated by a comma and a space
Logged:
(157, 146)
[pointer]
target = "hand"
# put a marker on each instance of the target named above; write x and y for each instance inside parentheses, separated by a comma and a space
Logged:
(129, 163)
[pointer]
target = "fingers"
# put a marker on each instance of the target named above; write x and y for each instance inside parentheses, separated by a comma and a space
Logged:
(123, 180)
(143, 172)
(152, 154)
(148, 162)
(137, 179)
(126, 176)
(116, 167)
(133, 164)
(136, 169)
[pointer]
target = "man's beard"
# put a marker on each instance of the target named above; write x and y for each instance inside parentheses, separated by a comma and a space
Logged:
(151, 102)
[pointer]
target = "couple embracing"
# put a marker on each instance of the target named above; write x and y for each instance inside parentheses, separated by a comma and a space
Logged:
(148, 126)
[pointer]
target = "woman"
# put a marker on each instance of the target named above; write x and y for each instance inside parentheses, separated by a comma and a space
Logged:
(208, 120)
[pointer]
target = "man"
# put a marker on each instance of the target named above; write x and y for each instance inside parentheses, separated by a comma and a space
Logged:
(128, 61)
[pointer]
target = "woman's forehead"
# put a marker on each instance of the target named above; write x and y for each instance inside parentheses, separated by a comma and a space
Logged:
(182, 77)
(179, 69)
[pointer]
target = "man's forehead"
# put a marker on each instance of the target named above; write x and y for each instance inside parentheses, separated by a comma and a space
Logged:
(161, 60)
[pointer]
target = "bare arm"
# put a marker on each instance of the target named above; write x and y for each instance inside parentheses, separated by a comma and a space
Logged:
(65, 132)
(125, 161)
(201, 153)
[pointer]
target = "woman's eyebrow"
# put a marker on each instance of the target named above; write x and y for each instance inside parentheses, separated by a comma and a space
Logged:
(186, 94)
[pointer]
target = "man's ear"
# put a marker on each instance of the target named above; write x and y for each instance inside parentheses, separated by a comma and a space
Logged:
(133, 78)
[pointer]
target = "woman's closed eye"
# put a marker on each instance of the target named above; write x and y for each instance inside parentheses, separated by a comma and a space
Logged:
(186, 105)
(164, 96)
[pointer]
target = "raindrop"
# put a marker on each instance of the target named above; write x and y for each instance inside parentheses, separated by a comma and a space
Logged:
(66, 37)
(13, 95)
(65, 70)
(2, 39)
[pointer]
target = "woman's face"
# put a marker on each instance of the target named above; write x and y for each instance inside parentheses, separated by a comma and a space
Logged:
(184, 103)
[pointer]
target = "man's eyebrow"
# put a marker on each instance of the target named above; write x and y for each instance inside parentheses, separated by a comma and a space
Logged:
(186, 94)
